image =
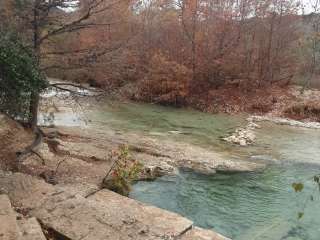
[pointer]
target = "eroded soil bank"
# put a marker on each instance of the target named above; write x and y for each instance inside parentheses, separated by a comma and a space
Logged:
(290, 101)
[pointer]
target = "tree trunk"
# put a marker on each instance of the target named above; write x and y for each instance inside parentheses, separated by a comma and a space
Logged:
(34, 104)
(35, 97)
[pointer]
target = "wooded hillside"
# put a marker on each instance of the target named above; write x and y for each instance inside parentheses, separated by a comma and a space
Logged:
(175, 52)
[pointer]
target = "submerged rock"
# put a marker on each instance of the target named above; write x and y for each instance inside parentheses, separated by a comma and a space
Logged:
(155, 170)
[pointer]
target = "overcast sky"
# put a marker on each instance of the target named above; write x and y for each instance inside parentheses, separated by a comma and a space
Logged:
(308, 5)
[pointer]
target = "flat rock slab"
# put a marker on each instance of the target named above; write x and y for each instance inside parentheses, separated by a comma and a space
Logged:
(31, 229)
(154, 221)
(8, 225)
(106, 215)
(82, 212)
(202, 234)
(24, 190)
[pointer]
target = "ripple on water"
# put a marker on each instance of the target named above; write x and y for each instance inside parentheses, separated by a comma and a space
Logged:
(238, 205)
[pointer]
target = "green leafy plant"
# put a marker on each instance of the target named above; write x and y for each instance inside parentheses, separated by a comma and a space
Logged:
(20, 76)
(123, 173)
(298, 187)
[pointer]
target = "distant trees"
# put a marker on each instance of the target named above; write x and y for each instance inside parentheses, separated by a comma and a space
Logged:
(246, 44)
(310, 44)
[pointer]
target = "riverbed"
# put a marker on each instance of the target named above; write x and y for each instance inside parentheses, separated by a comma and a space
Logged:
(259, 205)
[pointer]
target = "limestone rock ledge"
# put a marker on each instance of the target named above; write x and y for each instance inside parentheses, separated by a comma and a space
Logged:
(31, 229)
(83, 212)
(8, 226)
(285, 121)
(13, 227)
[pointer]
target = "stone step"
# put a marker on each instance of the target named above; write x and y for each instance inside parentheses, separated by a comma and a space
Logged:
(31, 229)
(9, 229)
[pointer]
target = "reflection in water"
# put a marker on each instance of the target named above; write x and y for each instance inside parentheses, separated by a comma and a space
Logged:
(67, 119)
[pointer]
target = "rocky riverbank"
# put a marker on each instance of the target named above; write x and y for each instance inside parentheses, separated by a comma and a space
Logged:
(83, 145)
(83, 155)
(83, 212)
(285, 121)
(60, 185)
(61, 198)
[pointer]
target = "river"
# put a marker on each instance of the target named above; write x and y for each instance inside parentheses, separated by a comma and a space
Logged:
(243, 206)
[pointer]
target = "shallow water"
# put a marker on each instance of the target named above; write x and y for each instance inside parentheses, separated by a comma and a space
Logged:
(241, 206)
(246, 206)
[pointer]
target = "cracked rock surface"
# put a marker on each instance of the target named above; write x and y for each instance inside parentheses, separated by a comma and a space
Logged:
(85, 212)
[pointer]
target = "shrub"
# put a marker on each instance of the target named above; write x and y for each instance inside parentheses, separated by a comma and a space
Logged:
(20, 76)
(124, 171)
(304, 111)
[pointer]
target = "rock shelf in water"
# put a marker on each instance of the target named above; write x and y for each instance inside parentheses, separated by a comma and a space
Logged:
(285, 121)
(243, 136)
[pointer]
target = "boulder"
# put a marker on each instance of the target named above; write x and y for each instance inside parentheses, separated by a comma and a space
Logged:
(242, 142)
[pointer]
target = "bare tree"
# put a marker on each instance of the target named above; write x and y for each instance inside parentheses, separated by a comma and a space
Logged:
(44, 20)
(313, 44)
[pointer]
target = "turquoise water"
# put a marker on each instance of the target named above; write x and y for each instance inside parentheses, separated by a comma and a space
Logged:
(251, 206)
(244, 206)
(240, 206)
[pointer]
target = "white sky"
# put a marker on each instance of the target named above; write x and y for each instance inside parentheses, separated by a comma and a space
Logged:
(308, 5)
